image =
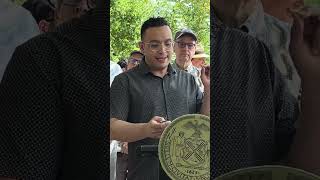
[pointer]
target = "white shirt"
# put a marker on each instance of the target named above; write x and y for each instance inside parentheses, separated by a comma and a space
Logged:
(276, 35)
(17, 26)
(115, 69)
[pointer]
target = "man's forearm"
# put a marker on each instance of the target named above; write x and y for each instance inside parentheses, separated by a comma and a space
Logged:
(305, 149)
(126, 132)
(205, 108)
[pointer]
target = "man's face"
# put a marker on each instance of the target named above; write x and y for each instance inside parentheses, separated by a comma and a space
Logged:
(198, 62)
(157, 48)
(280, 9)
(134, 60)
(184, 47)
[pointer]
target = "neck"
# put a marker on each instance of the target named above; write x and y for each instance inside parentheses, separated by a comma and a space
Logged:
(183, 66)
(160, 72)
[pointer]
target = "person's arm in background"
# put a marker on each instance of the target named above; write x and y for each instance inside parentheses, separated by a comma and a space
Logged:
(305, 48)
(205, 78)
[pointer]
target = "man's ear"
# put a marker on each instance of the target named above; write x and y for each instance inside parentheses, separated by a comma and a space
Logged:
(44, 25)
(141, 46)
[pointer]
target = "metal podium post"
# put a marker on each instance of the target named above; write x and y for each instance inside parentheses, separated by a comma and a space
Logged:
(147, 150)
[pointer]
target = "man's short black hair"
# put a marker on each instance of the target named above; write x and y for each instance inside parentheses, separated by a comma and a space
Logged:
(153, 22)
(136, 52)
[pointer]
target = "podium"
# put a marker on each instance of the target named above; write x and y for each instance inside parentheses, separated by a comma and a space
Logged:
(184, 149)
(152, 151)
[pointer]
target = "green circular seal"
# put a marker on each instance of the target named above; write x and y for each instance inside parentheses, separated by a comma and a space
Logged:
(184, 148)
(269, 173)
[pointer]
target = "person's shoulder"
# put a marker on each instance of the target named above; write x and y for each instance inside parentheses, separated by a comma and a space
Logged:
(9, 11)
(115, 69)
(240, 36)
(40, 51)
(236, 43)
(68, 28)
(17, 24)
(135, 70)
(114, 65)
(42, 42)
(56, 39)
(183, 74)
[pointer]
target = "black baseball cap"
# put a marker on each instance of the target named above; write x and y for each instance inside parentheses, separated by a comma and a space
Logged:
(185, 31)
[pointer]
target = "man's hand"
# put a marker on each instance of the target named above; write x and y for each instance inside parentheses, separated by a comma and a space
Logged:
(305, 47)
(205, 77)
(155, 127)
(305, 52)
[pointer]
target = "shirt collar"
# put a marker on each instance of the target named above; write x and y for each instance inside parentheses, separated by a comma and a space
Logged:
(281, 27)
(255, 24)
(189, 68)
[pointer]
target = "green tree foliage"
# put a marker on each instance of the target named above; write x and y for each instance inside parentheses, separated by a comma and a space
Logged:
(127, 16)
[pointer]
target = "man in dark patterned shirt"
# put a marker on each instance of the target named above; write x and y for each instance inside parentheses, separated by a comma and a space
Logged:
(143, 97)
(54, 104)
(253, 113)
(253, 120)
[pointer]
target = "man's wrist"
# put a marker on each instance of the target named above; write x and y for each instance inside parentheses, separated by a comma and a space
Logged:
(206, 90)
(144, 129)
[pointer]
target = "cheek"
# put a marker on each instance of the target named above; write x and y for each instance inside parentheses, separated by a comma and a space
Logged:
(148, 55)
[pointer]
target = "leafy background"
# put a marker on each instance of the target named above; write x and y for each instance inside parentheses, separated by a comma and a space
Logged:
(127, 16)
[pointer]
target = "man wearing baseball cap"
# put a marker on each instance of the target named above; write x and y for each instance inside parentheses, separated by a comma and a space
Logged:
(185, 48)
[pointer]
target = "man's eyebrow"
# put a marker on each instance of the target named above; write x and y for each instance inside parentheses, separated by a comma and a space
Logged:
(154, 41)
(160, 41)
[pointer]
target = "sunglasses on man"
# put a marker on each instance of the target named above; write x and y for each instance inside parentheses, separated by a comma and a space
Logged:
(134, 61)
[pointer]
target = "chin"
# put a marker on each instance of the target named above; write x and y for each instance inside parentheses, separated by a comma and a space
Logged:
(162, 66)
